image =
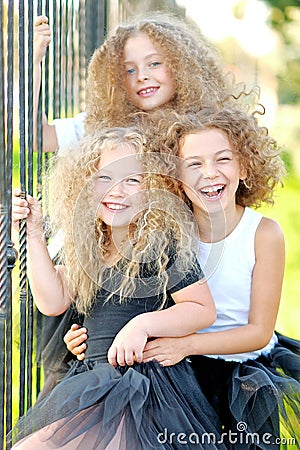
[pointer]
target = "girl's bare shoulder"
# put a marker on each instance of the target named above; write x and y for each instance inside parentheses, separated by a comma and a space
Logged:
(268, 234)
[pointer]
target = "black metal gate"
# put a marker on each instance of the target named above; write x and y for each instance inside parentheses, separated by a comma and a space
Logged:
(78, 27)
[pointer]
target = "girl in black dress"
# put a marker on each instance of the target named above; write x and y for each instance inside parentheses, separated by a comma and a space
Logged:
(128, 267)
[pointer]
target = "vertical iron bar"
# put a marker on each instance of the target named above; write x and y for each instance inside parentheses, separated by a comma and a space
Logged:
(44, 94)
(46, 106)
(39, 127)
(10, 99)
(73, 58)
(81, 52)
(22, 231)
(60, 56)
(3, 194)
(39, 164)
(101, 25)
(54, 44)
(87, 26)
(30, 191)
(65, 34)
(3, 239)
(46, 90)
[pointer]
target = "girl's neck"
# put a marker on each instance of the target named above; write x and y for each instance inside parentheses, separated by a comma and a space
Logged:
(215, 227)
(114, 250)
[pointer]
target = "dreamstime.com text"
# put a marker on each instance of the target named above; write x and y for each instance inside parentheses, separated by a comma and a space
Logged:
(240, 436)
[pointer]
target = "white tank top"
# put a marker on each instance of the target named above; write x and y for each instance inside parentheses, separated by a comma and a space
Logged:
(228, 267)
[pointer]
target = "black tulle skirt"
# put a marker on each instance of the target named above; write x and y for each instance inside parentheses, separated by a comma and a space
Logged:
(257, 401)
(142, 407)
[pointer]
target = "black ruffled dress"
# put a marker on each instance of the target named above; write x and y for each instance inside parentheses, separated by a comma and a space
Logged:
(258, 400)
(143, 407)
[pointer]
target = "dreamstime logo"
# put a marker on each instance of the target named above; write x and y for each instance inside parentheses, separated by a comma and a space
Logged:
(241, 426)
(241, 436)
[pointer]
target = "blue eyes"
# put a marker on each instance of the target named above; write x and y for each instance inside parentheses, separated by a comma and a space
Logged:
(104, 178)
(133, 181)
(130, 181)
(153, 64)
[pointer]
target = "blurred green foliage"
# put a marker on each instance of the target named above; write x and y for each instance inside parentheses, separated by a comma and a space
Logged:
(285, 19)
(286, 212)
(282, 5)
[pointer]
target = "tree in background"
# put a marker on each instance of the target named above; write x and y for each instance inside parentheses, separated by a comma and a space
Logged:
(285, 18)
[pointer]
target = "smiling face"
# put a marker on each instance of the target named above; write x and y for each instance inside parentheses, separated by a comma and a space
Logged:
(118, 184)
(148, 81)
(210, 170)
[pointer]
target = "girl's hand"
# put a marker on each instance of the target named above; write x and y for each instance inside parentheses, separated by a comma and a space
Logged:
(42, 38)
(128, 345)
(28, 209)
(167, 351)
(75, 341)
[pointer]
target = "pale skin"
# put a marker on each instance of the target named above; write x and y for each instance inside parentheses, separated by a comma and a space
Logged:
(210, 160)
(147, 80)
(194, 307)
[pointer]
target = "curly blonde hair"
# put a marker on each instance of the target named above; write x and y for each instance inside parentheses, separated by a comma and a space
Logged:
(259, 153)
(194, 63)
(163, 229)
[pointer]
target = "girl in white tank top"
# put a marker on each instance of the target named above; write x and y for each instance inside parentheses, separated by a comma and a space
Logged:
(249, 373)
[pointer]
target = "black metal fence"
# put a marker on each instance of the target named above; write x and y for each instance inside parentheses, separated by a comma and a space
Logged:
(78, 27)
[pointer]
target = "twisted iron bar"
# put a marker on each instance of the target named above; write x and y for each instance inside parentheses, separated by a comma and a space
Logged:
(23, 321)
(3, 259)
(3, 298)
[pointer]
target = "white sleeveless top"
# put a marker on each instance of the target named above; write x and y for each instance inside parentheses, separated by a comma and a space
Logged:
(228, 267)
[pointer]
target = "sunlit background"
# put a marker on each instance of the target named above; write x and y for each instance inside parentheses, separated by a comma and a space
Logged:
(260, 43)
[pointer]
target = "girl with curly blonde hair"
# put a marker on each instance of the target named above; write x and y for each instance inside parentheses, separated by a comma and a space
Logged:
(229, 164)
(158, 61)
(118, 85)
(128, 266)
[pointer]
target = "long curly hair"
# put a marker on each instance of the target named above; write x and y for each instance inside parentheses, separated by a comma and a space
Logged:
(163, 229)
(195, 65)
(259, 153)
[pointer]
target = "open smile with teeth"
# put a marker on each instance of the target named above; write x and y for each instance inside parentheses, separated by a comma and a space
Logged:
(115, 206)
(148, 90)
(213, 191)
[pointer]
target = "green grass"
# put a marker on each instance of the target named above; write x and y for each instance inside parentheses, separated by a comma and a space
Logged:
(287, 212)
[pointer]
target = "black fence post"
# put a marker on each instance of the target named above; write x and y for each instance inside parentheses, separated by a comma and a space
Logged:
(7, 254)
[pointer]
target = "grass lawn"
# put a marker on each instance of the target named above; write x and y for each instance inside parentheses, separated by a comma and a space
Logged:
(287, 212)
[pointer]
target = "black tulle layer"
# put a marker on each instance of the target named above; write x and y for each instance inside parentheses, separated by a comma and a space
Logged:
(262, 404)
(145, 407)
(97, 407)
